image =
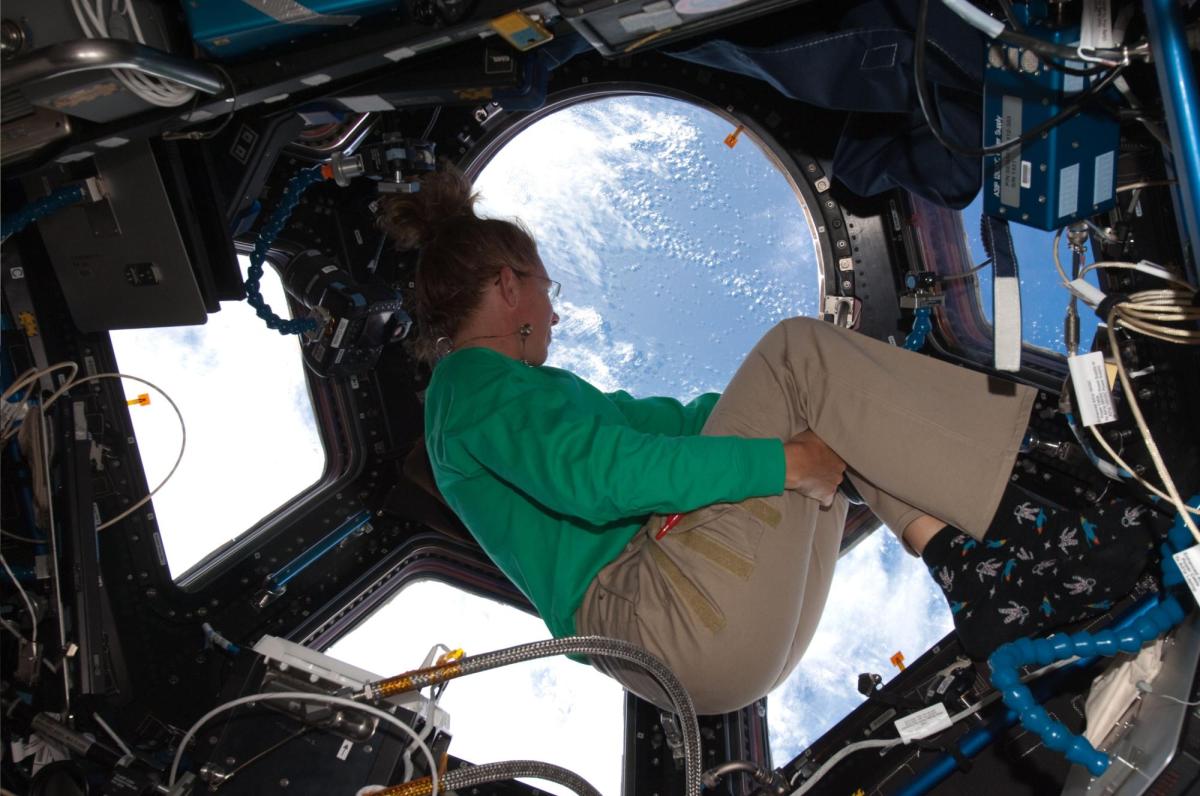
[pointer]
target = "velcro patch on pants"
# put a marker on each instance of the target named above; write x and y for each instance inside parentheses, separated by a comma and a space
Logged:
(708, 615)
(763, 511)
(724, 557)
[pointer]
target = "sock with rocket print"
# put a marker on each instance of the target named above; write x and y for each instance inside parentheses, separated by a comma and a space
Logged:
(1039, 567)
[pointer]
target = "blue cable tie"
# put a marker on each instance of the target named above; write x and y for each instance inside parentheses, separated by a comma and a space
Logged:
(922, 326)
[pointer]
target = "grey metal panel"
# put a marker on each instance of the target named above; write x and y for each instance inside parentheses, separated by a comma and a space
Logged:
(121, 262)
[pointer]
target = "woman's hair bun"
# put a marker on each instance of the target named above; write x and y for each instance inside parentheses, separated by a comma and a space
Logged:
(412, 220)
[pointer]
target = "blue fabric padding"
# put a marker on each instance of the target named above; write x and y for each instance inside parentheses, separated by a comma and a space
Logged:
(865, 67)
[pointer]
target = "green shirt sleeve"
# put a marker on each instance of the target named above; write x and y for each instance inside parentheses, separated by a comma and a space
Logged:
(582, 464)
(665, 415)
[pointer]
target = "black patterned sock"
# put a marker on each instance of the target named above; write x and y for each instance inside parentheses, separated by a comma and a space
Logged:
(1039, 567)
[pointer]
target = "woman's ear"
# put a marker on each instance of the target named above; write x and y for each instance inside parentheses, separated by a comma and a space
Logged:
(510, 285)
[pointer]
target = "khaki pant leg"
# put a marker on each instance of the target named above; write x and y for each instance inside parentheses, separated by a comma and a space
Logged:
(730, 600)
(933, 436)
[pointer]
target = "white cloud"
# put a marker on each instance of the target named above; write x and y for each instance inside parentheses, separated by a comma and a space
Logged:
(882, 602)
(252, 443)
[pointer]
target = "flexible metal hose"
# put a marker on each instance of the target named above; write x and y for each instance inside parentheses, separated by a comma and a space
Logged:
(579, 645)
(473, 776)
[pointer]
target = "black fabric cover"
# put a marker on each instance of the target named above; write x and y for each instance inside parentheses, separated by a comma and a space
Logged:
(865, 67)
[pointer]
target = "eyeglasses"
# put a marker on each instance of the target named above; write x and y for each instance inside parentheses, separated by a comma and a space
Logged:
(553, 289)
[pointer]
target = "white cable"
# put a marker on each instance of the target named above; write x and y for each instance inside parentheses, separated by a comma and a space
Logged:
(4, 623)
(113, 734)
(887, 744)
(31, 376)
(26, 380)
(182, 427)
(302, 696)
(1151, 446)
(150, 88)
(976, 17)
(838, 757)
(33, 618)
(1144, 266)
(1138, 314)
(20, 538)
(429, 709)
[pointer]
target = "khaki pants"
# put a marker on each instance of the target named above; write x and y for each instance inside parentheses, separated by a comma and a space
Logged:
(731, 597)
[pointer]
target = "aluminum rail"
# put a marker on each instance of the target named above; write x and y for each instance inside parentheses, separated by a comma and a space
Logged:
(85, 55)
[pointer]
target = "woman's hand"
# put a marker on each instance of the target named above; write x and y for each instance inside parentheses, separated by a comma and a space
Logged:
(813, 469)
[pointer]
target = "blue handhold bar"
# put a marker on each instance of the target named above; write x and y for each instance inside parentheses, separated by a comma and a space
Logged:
(1181, 101)
(278, 581)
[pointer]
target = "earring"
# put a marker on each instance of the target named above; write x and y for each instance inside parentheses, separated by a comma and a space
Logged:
(525, 330)
(442, 347)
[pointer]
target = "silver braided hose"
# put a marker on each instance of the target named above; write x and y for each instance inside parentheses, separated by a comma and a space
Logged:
(472, 776)
(579, 645)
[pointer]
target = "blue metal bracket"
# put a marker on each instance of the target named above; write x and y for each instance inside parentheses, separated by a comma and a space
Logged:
(276, 583)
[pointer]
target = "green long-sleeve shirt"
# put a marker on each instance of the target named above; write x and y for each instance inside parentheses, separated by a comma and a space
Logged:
(553, 477)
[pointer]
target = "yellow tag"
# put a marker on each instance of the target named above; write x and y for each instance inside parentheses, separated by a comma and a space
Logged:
(450, 656)
(521, 30)
(732, 139)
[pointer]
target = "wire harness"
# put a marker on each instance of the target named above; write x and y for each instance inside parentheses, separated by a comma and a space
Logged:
(1006, 660)
(292, 193)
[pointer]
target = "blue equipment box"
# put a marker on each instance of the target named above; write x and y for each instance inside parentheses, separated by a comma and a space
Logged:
(1066, 174)
(232, 28)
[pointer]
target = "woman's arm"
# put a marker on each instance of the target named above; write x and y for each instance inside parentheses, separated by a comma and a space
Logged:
(665, 415)
(575, 463)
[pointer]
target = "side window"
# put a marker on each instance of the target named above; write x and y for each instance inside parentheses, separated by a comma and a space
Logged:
(550, 709)
(1043, 298)
(882, 601)
(252, 440)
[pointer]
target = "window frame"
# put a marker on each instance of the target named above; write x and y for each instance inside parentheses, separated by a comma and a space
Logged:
(343, 460)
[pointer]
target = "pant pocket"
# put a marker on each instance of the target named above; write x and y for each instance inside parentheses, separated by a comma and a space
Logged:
(730, 538)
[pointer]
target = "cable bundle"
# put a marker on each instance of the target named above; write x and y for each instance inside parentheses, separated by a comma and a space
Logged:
(154, 90)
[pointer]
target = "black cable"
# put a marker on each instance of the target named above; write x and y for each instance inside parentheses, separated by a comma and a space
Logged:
(1051, 49)
(1011, 15)
(919, 46)
(1015, 24)
(204, 135)
(1090, 71)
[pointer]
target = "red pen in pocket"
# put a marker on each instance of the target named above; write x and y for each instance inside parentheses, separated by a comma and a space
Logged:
(670, 522)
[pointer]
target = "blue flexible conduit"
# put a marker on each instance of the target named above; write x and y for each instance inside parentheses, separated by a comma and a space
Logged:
(292, 192)
(922, 326)
(1008, 658)
(41, 208)
(980, 738)
(1147, 620)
